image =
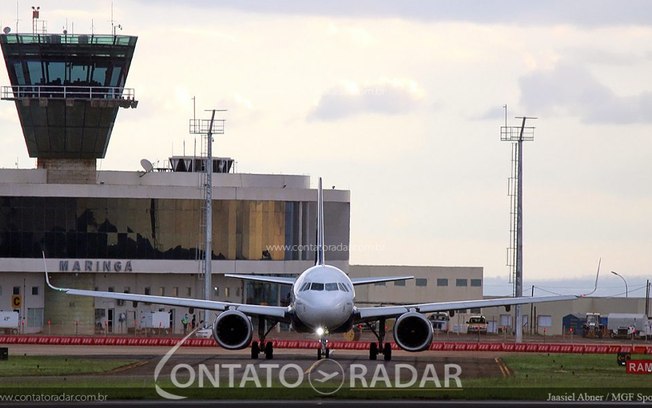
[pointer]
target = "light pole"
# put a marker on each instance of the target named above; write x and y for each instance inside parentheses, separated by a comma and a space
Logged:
(619, 275)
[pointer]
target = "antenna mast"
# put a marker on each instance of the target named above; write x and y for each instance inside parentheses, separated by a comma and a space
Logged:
(208, 128)
(517, 135)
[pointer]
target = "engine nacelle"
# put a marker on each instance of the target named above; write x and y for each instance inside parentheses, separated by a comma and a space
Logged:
(232, 330)
(413, 332)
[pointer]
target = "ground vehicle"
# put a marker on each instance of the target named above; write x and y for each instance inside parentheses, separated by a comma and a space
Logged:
(9, 321)
(155, 322)
(477, 324)
(628, 324)
(439, 321)
(593, 327)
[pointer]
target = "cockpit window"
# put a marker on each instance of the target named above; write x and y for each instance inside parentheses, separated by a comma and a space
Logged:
(331, 286)
(305, 286)
(317, 286)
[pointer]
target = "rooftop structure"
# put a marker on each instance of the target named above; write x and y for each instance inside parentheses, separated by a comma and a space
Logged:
(67, 90)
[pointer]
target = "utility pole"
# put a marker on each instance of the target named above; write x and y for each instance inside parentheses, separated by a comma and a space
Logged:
(517, 135)
(647, 298)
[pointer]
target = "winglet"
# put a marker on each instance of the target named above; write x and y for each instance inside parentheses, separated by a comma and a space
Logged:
(319, 254)
(47, 278)
(596, 280)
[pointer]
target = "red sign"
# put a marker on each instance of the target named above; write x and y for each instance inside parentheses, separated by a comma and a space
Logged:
(639, 367)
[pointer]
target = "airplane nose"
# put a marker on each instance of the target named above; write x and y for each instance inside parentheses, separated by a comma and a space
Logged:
(327, 310)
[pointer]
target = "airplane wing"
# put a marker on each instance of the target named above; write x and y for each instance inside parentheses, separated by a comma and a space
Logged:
(371, 313)
(283, 280)
(367, 281)
(273, 312)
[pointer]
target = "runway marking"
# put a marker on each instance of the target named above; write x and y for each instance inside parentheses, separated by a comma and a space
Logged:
(505, 371)
(127, 367)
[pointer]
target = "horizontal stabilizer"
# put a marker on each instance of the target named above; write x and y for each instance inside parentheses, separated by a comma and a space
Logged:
(378, 279)
(283, 280)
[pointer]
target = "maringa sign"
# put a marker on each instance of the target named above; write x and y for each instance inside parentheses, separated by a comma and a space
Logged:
(77, 265)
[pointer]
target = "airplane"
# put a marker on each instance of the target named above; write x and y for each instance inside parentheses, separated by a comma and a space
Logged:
(322, 301)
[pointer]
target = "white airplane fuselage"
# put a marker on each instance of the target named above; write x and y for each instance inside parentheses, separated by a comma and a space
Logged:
(323, 298)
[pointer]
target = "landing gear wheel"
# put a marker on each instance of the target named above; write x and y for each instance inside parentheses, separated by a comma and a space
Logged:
(269, 350)
(387, 352)
(255, 349)
(373, 351)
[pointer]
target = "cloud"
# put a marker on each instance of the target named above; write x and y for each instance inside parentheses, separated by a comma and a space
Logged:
(577, 12)
(573, 90)
(387, 96)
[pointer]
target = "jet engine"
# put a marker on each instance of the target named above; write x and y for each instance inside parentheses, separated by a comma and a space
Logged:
(232, 330)
(413, 332)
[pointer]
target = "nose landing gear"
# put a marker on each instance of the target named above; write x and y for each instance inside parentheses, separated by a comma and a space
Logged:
(323, 350)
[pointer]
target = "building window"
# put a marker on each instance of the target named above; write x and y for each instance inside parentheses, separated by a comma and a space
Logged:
(461, 282)
(421, 281)
(189, 292)
(476, 310)
(476, 283)
(148, 291)
(162, 290)
(127, 289)
(111, 289)
(16, 290)
(379, 284)
(216, 291)
(35, 290)
(175, 291)
(0, 290)
(227, 292)
(399, 283)
(442, 282)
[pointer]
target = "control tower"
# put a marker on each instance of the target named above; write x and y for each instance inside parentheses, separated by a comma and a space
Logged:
(67, 90)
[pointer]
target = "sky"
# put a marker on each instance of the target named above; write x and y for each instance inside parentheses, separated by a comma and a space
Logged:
(401, 103)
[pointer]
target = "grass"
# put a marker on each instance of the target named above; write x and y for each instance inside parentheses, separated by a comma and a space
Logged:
(18, 366)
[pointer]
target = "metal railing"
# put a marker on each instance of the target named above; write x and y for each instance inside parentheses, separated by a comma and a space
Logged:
(83, 39)
(67, 92)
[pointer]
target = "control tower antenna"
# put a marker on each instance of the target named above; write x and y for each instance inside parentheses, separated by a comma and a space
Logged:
(208, 128)
(517, 135)
(114, 26)
(17, 16)
(35, 17)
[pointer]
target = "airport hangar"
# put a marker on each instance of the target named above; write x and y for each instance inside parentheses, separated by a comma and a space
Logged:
(141, 231)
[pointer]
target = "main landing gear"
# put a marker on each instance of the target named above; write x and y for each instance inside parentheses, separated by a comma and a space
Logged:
(378, 348)
(258, 347)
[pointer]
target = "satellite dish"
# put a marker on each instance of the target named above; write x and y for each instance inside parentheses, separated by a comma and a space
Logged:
(147, 165)
(6, 30)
